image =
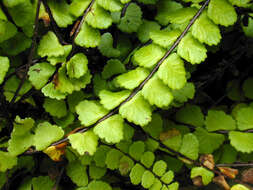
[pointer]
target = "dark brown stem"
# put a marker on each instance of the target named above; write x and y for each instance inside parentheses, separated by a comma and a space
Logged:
(31, 54)
(148, 77)
(53, 23)
(76, 32)
(236, 165)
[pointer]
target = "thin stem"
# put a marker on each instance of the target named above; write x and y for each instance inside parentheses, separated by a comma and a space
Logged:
(31, 54)
(53, 23)
(236, 165)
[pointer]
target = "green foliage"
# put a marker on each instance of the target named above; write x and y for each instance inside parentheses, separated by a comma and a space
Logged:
(205, 174)
(109, 106)
(40, 73)
(42, 139)
(131, 21)
(218, 120)
(84, 143)
(50, 46)
(4, 64)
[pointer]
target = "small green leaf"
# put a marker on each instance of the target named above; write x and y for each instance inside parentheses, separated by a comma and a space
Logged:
(42, 182)
(77, 173)
(74, 98)
(137, 110)
(89, 112)
(99, 185)
(77, 7)
(145, 29)
(247, 88)
(191, 50)
(165, 9)
(184, 115)
(125, 165)
(111, 100)
(155, 127)
(111, 5)
(136, 174)
(42, 140)
(190, 146)
(240, 3)
(7, 161)
(239, 187)
(68, 85)
(88, 36)
(219, 120)
(182, 15)
(147, 179)
(248, 29)
(11, 86)
(110, 129)
(159, 167)
(244, 118)
(167, 177)
(4, 65)
(40, 73)
(50, 91)
(155, 86)
(205, 174)
(147, 159)
(148, 56)
(17, 44)
(113, 67)
(61, 13)
(131, 79)
(172, 72)
(222, 12)
(96, 172)
(206, 31)
(156, 185)
(131, 21)
(50, 46)
(208, 142)
(61, 58)
(84, 142)
(113, 159)
(55, 108)
(241, 141)
(185, 93)
(136, 150)
(21, 137)
(106, 46)
(7, 30)
(77, 66)
(98, 17)
(148, 2)
(164, 38)
(100, 155)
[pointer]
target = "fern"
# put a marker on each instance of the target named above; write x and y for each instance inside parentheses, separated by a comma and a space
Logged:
(111, 92)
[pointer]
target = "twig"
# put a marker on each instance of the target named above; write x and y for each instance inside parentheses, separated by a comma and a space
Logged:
(235, 165)
(76, 32)
(123, 12)
(53, 23)
(55, 187)
(31, 54)
(82, 20)
(147, 78)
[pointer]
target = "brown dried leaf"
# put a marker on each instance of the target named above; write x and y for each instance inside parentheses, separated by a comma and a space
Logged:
(220, 180)
(247, 176)
(197, 181)
(207, 161)
(169, 134)
(229, 172)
